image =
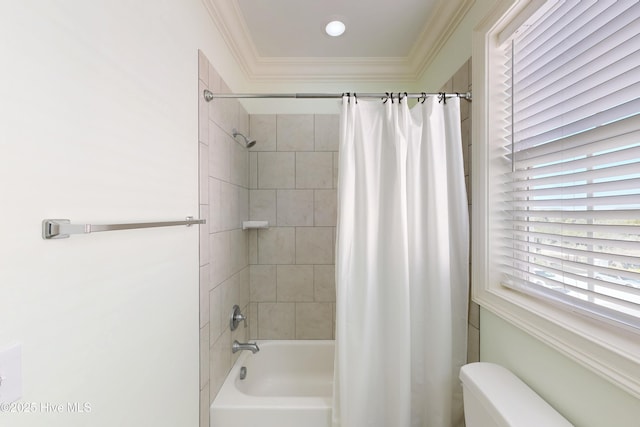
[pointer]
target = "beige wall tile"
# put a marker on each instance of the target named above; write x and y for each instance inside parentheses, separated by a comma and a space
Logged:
(229, 110)
(243, 121)
(224, 178)
(253, 170)
(204, 295)
(215, 107)
(239, 157)
(325, 207)
(262, 206)
(314, 321)
(219, 153)
(314, 170)
(276, 245)
(243, 205)
(474, 314)
(272, 277)
(238, 250)
(473, 345)
(295, 283)
(262, 279)
(203, 115)
(203, 234)
(253, 321)
(295, 132)
(229, 209)
(276, 170)
(327, 131)
(294, 207)
(219, 257)
(220, 358)
(204, 406)
(324, 283)
(203, 173)
(262, 128)
(314, 245)
(216, 327)
(204, 356)
(253, 246)
(215, 206)
(243, 288)
(215, 81)
(276, 321)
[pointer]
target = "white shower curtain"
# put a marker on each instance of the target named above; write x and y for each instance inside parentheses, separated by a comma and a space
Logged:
(401, 265)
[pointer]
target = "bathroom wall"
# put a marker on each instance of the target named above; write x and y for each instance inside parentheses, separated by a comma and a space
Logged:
(99, 124)
(461, 82)
(293, 173)
(224, 246)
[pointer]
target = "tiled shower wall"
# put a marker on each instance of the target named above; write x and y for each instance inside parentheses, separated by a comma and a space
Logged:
(461, 82)
(292, 181)
(282, 277)
(224, 246)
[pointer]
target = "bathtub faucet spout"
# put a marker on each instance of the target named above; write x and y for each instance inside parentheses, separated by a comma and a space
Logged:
(237, 346)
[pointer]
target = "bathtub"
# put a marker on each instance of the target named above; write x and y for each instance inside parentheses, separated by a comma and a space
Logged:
(288, 383)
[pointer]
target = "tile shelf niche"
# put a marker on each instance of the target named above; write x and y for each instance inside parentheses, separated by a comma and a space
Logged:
(247, 225)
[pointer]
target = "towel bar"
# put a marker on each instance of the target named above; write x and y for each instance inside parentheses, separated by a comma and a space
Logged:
(62, 228)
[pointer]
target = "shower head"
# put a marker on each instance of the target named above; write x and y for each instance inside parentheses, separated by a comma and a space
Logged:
(248, 142)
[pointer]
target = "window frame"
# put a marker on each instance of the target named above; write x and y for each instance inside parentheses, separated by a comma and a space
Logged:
(607, 349)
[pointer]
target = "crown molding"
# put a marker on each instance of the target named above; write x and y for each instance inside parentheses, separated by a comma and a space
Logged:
(442, 24)
(331, 69)
(227, 17)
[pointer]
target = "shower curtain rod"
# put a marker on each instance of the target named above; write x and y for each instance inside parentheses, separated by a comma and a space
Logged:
(208, 95)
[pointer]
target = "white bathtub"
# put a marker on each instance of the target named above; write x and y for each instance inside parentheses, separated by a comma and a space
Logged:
(288, 383)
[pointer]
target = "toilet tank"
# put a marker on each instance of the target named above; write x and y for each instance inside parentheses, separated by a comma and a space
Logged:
(495, 397)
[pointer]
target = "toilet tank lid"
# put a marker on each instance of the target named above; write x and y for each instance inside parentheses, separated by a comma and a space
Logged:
(508, 397)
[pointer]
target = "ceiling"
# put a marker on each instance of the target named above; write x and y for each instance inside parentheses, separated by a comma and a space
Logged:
(385, 40)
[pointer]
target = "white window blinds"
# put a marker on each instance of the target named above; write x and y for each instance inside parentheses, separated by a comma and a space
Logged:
(573, 235)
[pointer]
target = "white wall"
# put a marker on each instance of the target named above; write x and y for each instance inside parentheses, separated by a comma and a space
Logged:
(99, 123)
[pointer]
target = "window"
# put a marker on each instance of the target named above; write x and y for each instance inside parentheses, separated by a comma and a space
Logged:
(557, 162)
(574, 150)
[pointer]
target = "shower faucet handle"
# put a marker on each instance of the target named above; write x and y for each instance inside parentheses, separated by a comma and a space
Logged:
(236, 318)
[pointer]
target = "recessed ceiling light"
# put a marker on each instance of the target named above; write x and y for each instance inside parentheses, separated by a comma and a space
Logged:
(335, 28)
